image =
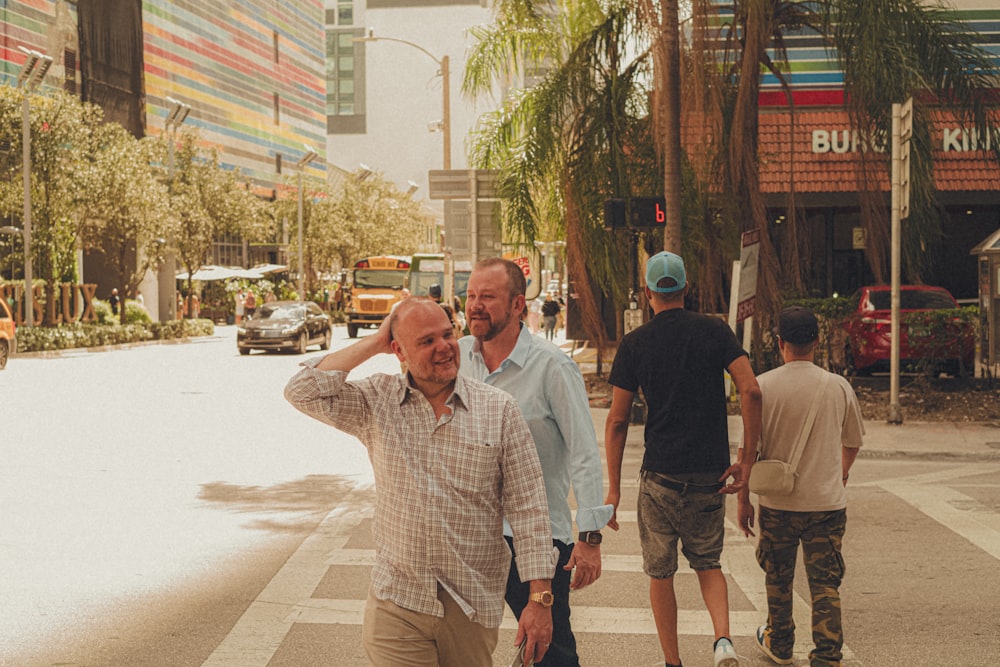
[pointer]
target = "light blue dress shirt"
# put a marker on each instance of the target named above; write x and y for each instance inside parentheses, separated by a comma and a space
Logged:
(550, 391)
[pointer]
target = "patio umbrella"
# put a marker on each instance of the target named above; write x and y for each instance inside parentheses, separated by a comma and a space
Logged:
(270, 268)
(210, 272)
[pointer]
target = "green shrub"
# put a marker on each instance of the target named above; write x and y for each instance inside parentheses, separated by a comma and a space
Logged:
(136, 314)
(103, 311)
(71, 336)
(943, 332)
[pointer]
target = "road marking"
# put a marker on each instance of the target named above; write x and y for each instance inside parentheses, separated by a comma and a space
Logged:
(287, 599)
(257, 635)
(956, 511)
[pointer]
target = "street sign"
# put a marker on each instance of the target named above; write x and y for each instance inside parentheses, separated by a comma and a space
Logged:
(749, 261)
(528, 263)
(458, 183)
(464, 242)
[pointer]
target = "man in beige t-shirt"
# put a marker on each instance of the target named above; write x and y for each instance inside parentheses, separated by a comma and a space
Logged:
(814, 513)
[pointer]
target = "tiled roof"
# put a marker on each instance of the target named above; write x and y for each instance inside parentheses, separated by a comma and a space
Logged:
(819, 168)
(827, 158)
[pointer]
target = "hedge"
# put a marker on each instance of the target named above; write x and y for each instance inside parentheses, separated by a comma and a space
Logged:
(71, 336)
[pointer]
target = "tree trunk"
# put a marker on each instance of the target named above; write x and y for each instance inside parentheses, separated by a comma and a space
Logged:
(668, 121)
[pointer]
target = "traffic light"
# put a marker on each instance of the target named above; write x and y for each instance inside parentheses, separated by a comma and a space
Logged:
(649, 211)
(614, 214)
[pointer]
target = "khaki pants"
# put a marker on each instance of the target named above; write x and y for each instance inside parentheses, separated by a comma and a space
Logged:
(397, 637)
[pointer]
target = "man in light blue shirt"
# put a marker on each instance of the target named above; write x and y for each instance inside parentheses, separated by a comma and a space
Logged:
(550, 391)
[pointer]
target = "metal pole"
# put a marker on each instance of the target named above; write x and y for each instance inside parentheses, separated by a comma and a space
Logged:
(474, 215)
(446, 113)
(302, 268)
(895, 415)
(167, 277)
(29, 295)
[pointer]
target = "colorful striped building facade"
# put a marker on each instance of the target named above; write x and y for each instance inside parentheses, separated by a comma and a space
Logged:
(252, 71)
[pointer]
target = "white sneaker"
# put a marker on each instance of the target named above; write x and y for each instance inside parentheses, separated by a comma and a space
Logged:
(725, 654)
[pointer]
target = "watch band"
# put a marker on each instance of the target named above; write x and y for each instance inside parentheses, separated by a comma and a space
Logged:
(592, 537)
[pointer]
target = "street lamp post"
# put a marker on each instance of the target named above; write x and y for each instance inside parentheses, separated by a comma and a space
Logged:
(175, 118)
(36, 66)
(308, 157)
(177, 113)
(444, 70)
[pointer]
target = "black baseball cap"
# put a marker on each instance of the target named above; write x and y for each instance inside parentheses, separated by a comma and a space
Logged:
(797, 325)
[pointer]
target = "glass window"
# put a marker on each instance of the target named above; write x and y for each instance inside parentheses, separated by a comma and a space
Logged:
(340, 73)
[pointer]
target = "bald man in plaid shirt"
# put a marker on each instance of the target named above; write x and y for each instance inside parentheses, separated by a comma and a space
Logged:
(452, 457)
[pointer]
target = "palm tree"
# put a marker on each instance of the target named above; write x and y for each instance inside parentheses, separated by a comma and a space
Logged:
(662, 20)
(888, 50)
(574, 139)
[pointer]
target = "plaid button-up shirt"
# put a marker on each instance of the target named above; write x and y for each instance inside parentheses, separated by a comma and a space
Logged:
(442, 487)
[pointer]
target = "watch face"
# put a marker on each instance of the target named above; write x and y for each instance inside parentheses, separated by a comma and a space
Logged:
(544, 598)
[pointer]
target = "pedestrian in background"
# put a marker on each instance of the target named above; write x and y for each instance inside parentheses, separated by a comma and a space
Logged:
(535, 315)
(180, 306)
(114, 300)
(550, 390)
(452, 458)
(240, 308)
(550, 313)
(250, 304)
(814, 513)
(678, 359)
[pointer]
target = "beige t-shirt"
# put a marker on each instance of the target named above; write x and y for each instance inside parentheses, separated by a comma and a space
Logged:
(787, 394)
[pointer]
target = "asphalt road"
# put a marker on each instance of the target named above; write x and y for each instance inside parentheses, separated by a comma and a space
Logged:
(147, 492)
(162, 506)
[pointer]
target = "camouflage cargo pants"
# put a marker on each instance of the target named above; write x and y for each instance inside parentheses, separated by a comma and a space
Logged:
(821, 535)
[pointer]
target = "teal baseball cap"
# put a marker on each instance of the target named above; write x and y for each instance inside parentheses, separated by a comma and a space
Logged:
(665, 265)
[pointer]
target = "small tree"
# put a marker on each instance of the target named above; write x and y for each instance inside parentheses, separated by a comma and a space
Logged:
(127, 211)
(62, 144)
(354, 219)
(207, 201)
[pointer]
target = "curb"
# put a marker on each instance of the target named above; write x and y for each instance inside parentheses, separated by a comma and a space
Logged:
(80, 351)
(939, 456)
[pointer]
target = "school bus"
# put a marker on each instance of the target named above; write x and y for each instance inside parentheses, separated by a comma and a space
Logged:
(429, 269)
(376, 285)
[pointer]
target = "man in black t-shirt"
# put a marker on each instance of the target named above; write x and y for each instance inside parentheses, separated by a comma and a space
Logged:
(678, 359)
(550, 314)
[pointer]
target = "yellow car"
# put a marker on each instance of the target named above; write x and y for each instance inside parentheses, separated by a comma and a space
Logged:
(8, 334)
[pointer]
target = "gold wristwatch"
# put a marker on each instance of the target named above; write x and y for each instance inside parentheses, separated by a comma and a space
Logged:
(544, 598)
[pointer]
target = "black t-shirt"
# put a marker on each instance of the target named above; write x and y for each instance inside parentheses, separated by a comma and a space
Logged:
(551, 308)
(678, 359)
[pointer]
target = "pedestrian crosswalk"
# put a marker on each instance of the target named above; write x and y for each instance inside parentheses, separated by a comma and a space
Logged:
(324, 584)
(290, 599)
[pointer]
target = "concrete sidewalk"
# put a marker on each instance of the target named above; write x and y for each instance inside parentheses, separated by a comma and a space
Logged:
(925, 440)
(914, 439)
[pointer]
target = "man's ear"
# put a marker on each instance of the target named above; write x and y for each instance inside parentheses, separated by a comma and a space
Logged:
(519, 303)
(397, 349)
